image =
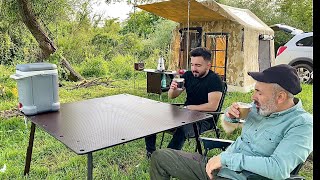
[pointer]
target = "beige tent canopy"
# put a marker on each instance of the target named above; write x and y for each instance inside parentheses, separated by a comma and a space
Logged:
(239, 40)
(202, 11)
(177, 10)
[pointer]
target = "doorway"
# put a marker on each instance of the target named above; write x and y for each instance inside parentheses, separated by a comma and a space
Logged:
(264, 58)
(217, 43)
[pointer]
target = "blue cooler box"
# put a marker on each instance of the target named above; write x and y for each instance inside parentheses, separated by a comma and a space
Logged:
(37, 87)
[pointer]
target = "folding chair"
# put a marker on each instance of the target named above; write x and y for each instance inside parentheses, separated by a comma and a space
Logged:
(215, 118)
(212, 143)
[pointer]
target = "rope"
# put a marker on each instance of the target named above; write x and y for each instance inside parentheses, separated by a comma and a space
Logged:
(135, 53)
(188, 36)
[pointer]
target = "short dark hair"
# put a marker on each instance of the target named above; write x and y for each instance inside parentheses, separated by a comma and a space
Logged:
(201, 51)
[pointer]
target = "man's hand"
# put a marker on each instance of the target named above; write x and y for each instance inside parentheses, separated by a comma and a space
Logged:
(174, 85)
(174, 91)
(233, 111)
(213, 163)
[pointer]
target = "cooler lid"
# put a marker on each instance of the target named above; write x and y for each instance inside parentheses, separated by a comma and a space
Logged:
(36, 67)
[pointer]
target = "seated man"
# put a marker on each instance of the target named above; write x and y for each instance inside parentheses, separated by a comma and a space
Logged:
(204, 91)
(276, 137)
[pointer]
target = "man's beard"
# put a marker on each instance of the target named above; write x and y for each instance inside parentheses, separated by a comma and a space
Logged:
(197, 74)
(267, 109)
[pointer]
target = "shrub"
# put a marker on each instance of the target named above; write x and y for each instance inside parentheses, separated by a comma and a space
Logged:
(94, 67)
(121, 66)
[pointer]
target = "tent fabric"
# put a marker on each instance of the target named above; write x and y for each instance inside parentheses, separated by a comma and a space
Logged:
(245, 17)
(203, 11)
(177, 10)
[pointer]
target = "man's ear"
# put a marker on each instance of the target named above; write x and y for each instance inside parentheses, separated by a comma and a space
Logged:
(209, 65)
(282, 97)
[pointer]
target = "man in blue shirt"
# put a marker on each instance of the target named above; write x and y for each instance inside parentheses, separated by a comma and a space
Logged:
(276, 136)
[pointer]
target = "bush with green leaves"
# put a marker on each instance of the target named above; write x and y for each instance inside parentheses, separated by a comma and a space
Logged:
(141, 23)
(121, 66)
(94, 67)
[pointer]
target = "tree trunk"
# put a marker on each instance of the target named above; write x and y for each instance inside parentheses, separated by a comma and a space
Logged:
(46, 44)
(74, 75)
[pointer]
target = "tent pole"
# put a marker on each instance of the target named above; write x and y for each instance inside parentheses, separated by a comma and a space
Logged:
(188, 36)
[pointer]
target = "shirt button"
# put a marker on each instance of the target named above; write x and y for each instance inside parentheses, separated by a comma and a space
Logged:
(256, 130)
(248, 142)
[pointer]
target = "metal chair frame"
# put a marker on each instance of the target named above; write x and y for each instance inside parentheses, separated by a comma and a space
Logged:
(215, 118)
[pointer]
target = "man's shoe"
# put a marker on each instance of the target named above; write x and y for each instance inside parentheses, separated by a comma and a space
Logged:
(149, 154)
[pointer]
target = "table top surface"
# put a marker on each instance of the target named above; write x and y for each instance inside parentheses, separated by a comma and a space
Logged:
(94, 124)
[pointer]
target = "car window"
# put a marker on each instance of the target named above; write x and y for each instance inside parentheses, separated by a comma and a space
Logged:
(308, 41)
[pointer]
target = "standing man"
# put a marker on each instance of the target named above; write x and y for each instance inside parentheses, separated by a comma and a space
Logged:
(275, 139)
(204, 91)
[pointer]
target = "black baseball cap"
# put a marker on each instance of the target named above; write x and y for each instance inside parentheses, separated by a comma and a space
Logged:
(284, 75)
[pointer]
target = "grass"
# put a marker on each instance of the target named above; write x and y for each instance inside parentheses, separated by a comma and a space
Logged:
(52, 160)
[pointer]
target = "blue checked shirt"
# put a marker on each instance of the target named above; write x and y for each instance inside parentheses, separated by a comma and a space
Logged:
(269, 146)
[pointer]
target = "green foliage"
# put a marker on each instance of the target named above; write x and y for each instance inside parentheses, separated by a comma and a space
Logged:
(142, 35)
(294, 13)
(306, 97)
(129, 44)
(77, 45)
(161, 38)
(5, 79)
(298, 13)
(121, 67)
(95, 51)
(8, 88)
(16, 46)
(6, 46)
(105, 44)
(141, 23)
(94, 67)
(111, 26)
(52, 160)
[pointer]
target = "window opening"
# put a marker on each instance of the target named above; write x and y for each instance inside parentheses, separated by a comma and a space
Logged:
(308, 41)
(217, 43)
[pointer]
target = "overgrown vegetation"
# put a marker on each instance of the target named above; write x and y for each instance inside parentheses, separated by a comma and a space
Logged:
(298, 14)
(105, 49)
(52, 160)
(143, 36)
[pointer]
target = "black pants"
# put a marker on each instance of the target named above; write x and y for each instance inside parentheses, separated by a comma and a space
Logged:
(179, 135)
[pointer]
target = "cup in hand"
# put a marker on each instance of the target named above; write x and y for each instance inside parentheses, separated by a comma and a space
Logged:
(244, 110)
(180, 83)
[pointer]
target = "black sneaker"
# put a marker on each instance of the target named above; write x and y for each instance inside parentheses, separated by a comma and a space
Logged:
(149, 154)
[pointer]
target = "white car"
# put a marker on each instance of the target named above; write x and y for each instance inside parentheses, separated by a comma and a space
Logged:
(297, 52)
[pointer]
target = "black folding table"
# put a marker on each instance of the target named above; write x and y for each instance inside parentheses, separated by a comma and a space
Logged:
(95, 124)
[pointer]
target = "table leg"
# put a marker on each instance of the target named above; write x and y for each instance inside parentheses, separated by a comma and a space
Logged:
(90, 166)
(29, 150)
(196, 133)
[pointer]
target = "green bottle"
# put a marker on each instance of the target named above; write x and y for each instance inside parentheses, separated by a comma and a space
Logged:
(164, 81)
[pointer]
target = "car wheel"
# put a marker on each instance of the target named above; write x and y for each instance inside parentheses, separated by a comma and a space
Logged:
(304, 72)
